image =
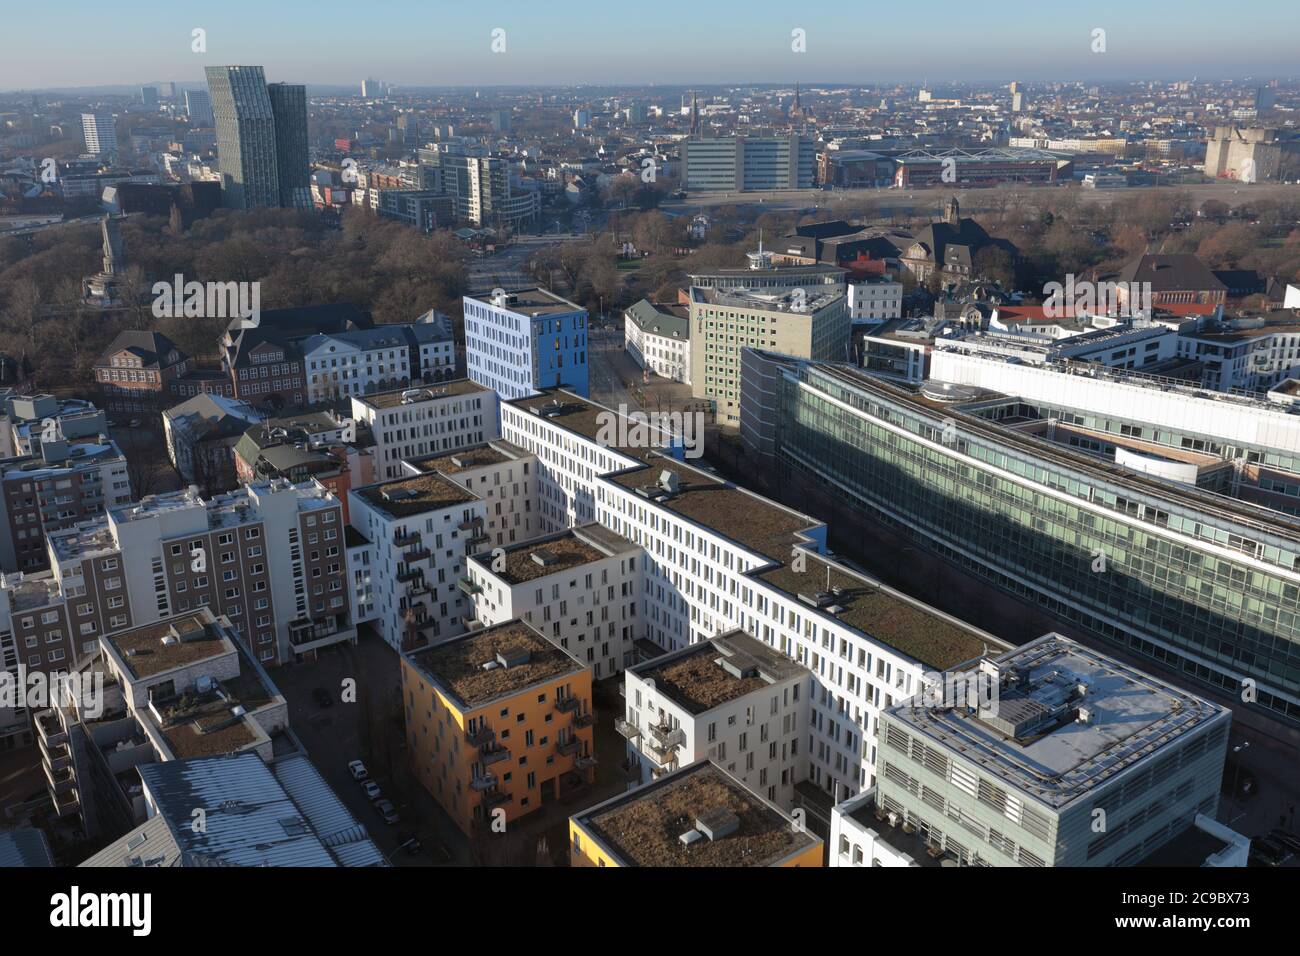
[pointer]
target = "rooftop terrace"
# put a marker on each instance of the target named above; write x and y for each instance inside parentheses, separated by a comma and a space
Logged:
(421, 393)
(457, 665)
(695, 678)
(532, 302)
(644, 826)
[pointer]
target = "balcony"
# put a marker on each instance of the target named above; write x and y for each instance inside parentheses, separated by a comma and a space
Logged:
(568, 705)
(404, 538)
(57, 756)
(480, 736)
(627, 729)
(61, 781)
(584, 761)
(479, 539)
(491, 755)
(585, 719)
(495, 798)
(568, 746)
(416, 554)
(66, 802)
(469, 587)
(483, 781)
(309, 635)
(49, 728)
(470, 525)
(667, 737)
(409, 575)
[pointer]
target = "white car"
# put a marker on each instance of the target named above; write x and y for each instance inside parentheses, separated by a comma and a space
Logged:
(358, 770)
(372, 789)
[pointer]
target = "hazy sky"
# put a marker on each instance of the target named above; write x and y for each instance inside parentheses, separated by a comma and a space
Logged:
(448, 42)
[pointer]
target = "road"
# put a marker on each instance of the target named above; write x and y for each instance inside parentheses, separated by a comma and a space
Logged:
(507, 269)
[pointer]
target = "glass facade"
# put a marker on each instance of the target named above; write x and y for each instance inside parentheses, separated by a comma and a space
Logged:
(1170, 576)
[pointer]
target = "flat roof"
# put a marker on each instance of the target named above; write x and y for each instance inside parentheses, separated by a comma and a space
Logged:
(578, 415)
(457, 665)
(421, 393)
(565, 551)
(145, 654)
(414, 495)
(694, 677)
(747, 518)
(534, 301)
(476, 456)
(1030, 738)
(643, 827)
(894, 619)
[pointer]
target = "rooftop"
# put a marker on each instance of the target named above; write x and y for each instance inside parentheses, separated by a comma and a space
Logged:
(147, 650)
(532, 302)
(894, 619)
(421, 393)
(457, 665)
(1031, 736)
(477, 456)
(644, 827)
(561, 552)
(695, 676)
(414, 495)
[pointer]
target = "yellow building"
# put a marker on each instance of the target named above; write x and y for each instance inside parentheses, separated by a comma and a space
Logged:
(698, 816)
(498, 720)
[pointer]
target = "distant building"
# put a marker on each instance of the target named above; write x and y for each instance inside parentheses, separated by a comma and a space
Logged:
(201, 434)
(739, 163)
(261, 138)
(289, 107)
(949, 247)
(198, 106)
(1252, 154)
(658, 337)
(100, 133)
(135, 371)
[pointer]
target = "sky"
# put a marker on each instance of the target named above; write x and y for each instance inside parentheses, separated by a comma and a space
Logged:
(669, 42)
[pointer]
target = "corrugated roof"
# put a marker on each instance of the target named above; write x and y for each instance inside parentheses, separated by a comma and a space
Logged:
(25, 846)
(329, 817)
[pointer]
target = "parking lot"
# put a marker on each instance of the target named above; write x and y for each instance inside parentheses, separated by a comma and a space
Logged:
(369, 729)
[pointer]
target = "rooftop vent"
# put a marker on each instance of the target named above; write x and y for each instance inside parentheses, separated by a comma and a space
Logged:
(187, 630)
(691, 836)
(817, 599)
(400, 494)
(739, 666)
(513, 657)
(717, 823)
(544, 558)
(669, 482)
(490, 665)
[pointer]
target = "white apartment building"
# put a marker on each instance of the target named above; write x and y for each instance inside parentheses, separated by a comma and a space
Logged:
(418, 531)
(504, 476)
(658, 337)
(268, 556)
(99, 130)
(730, 699)
(721, 558)
(519, 342)
(580, 588)
(426, 420)
(875, 300)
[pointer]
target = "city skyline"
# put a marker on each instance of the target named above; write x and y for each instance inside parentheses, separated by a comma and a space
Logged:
(1030, 43)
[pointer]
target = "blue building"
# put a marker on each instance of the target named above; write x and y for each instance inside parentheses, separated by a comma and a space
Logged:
(518, 343)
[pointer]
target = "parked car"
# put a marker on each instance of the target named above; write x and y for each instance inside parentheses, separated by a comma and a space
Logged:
(387, 811)
(133, 423)
(322, 697)
(358, 770)
(371, 789)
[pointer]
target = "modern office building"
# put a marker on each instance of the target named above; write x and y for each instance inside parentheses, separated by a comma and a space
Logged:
(810, 323)
(699, 816)
(289, 109)
(717, 558)
(485, 190)
(730, 699)
(739, 163)
(149, 96)
(198, 106)
(504, 476)
(1133, 508)
(519, 342)
(99, 130)
(498, 722)
(1077, 760)
(425, 421)
(261, 138)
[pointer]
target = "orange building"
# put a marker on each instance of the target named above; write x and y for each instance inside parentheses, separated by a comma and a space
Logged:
(499, 719)
(697, 816)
